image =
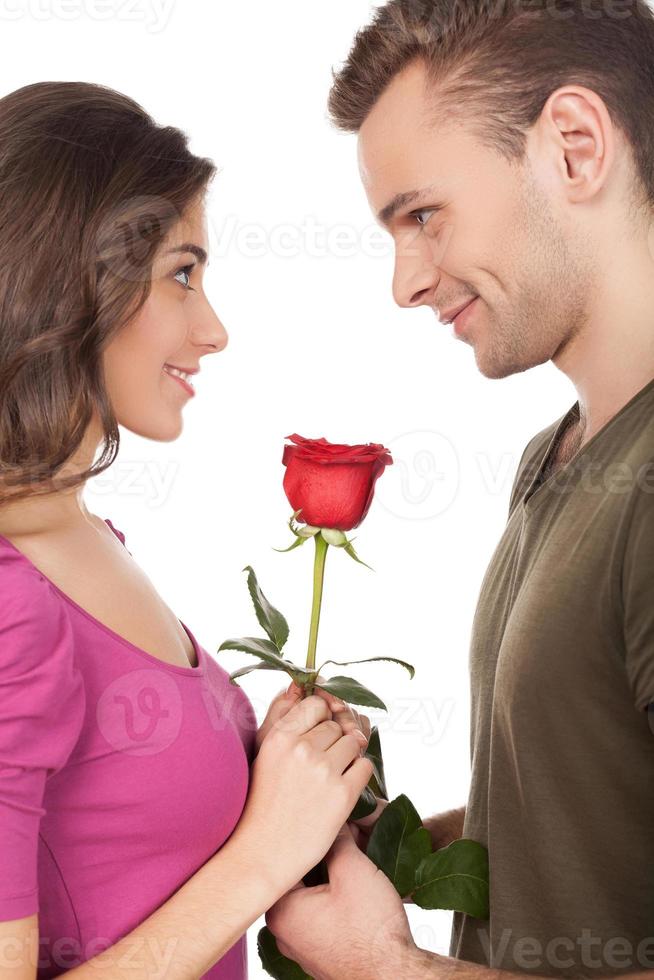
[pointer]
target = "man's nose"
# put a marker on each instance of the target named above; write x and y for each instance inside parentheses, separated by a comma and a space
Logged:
(416, 275)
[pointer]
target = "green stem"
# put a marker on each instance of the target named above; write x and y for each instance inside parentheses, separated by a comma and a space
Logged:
(318, 578)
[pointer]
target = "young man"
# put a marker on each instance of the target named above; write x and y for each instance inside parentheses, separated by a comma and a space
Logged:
(508, 148)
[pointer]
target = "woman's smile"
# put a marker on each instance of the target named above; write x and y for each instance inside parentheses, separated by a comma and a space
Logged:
(182, 377)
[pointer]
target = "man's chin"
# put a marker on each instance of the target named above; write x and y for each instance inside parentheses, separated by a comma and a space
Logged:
(495, 370)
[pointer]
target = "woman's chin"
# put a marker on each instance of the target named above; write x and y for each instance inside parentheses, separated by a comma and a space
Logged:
(166, 427)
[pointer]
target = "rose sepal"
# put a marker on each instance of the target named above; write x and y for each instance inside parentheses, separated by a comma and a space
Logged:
(333, 536)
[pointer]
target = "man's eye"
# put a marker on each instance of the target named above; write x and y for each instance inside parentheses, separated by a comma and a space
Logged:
(186, 271)
(419, 215)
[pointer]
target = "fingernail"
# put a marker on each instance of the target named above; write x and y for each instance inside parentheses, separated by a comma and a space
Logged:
(359, 734)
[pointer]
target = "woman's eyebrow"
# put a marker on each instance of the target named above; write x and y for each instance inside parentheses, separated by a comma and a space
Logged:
(196, 250)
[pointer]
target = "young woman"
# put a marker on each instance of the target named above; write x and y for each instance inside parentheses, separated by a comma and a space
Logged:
(133, 837)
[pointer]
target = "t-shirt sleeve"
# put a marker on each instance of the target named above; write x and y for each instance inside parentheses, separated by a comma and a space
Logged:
(42, 705)
(637, 591)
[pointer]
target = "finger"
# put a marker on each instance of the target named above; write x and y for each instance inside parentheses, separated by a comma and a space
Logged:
(324, 735)
(358, 775)
(373, 817)
(284, 949)
(349, 721)
(283, 702)
(363, 722)
(343, 855)
(279, 706)
(335, 704)
(304, 715)
(360, 838)
(344, 751)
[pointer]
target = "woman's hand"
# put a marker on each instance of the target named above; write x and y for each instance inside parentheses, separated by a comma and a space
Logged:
(305, 781)
(348, 718)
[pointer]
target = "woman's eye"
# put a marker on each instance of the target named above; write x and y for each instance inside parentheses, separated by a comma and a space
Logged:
(186, 271)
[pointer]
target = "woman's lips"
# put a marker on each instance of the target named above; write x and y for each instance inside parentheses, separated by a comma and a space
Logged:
(185, 385)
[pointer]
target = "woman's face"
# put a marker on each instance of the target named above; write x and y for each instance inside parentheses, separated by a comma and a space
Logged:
(174, 329)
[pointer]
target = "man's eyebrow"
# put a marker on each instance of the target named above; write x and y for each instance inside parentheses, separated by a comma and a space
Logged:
(197, 250)
(402, 200)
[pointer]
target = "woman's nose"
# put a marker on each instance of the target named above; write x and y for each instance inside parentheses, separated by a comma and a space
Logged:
(211, 333)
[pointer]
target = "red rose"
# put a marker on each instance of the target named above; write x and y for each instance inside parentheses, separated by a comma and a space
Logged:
(331, 484)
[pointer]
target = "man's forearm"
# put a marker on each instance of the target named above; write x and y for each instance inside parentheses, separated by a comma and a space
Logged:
(445, 827)
(420, 964)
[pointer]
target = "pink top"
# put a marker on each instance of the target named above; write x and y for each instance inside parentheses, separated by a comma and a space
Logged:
(120, 775)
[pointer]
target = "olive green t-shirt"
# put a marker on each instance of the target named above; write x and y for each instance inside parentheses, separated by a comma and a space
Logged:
(562, 749)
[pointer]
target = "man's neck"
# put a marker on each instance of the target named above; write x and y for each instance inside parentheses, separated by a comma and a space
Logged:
(610, 356)
(603, 391)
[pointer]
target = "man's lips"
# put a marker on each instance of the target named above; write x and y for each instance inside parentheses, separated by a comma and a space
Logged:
(447, 316)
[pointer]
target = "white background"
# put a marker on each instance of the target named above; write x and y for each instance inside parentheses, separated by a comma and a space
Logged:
(301, 277)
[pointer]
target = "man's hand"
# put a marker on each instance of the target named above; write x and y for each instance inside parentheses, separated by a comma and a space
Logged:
(366, 825)
(353, 927)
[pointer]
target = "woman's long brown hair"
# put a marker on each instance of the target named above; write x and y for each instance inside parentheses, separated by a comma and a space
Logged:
(90, 186)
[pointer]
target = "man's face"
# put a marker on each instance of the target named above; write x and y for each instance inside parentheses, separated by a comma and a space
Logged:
(499, 235)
